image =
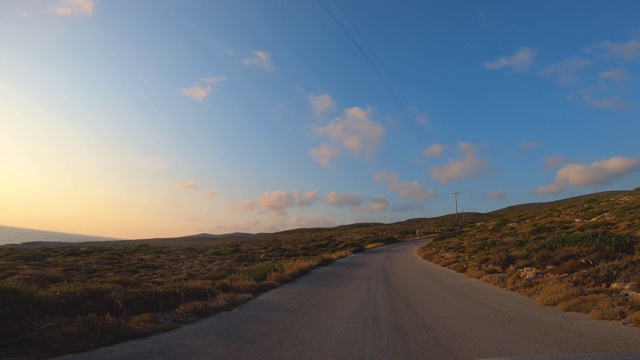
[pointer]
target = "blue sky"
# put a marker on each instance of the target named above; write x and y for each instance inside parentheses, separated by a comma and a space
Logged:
(163, 118)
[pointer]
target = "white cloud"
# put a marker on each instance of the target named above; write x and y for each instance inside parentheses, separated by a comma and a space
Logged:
(520, 61)
(607, 102)
(261, 59)
(462, 168)
(617, 76)
(458, 169)
(623, 51)
(322, 103)
(378, 203)
(565, 71)
(554, 162)
(324, 154)
(495, 196)
(548, 190)
(421, 117)
(199, 91)
(408, 189)
(355, 131)
(305, 199)
(213, 79)
(529, 145)
(189, 185)
(245, 206)
(435, 150)
(277, 201)
(196, 92)
(598, 173)
(71, 7)
(466, 147)
(334, 198)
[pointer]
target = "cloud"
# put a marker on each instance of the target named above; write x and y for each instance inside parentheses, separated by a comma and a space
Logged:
(305, 199)
(277, 201)
(617, 76)
(196, 92)
(408, 189)
(529, 145)
(466, 147)
(606, 102)
(520, 61)
(435, 150)
(324, 154)
(565, 72)
(73, 7)
(598, 173)
(213, 79)
(210, 193)
(355, 131)
(322, 103)
(548, 190)
(189, 185)
(622, 51)
(261, 59)
(245, 206)
(458, 169)
(378, 203)
(554, 162)
(336, 199)
(199, 91)
(421, 117)
(462, 168)
(495, 196)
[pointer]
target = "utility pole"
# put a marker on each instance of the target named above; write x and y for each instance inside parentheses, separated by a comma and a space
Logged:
(456, 194)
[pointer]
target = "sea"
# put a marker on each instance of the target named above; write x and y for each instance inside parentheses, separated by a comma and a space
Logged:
(14, 235)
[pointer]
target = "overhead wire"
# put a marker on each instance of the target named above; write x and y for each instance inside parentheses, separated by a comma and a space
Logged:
(390, 85)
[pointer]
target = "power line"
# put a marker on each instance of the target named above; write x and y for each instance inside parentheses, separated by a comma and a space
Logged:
(391, 85)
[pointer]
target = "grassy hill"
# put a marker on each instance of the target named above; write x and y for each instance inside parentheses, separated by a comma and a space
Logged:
(67, 297)
(580, 254)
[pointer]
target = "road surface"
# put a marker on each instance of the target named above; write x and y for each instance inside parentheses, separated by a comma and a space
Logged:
(385, 303)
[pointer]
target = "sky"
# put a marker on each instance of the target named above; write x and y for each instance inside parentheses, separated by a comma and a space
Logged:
(157, 118)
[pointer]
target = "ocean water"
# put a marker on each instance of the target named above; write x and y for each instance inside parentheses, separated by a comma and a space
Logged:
(13, 235)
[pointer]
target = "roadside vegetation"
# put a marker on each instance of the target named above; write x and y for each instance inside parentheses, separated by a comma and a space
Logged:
(580, 254)
(63, 298)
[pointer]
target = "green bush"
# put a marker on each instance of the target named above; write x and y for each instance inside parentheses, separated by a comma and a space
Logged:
(599, 240)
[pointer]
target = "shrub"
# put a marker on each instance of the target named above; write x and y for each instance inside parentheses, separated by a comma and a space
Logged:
(634, 319)
(554, 293)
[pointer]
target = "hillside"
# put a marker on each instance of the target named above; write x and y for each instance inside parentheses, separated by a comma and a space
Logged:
(580, 254)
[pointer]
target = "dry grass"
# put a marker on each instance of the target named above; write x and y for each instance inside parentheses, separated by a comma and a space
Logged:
(580, 254)
(66, 298)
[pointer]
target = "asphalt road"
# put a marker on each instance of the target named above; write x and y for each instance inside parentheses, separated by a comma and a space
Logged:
(385, 303)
